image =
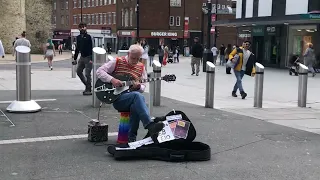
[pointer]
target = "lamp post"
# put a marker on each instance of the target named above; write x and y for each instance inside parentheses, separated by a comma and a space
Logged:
(207, 55)
(138, 20)
(81, 9)
(215, 27)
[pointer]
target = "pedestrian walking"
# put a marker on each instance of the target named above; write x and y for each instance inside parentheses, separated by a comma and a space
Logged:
(161, 53)
(151, 53)
(23, 41)
(243, 61)
(49, 52)
(222, 54)
(84, 46)
(197, 54)
(310, 58)
(215, 51)
(2, 51)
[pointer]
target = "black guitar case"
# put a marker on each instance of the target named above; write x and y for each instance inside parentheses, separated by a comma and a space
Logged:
(175, 150)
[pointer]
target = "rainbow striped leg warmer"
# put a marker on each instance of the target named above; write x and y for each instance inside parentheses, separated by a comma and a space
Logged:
(123, 128)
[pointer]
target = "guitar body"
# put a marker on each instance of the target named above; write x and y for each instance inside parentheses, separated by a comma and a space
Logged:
(112, 94)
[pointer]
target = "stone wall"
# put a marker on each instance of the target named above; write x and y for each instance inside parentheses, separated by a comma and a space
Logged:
(12, 22)
(38, 23)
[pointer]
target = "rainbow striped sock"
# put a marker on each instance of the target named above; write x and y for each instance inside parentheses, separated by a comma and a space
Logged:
(123, 127)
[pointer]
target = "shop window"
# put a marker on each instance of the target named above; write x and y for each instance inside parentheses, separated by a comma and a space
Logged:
(178, 19)
(171, 21)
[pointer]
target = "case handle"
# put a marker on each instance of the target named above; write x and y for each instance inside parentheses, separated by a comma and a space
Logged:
(177, 157)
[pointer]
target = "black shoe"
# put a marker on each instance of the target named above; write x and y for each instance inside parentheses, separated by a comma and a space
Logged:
(87, 93)
(192, 73)
(243, 95)
(155, 128)
(234, 94)
(132, 140)
(197, 74)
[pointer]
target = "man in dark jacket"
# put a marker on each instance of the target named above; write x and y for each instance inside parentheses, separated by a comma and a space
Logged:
(197, 53)
(84, 46)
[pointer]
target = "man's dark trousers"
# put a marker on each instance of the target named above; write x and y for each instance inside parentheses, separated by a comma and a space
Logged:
(85, 63)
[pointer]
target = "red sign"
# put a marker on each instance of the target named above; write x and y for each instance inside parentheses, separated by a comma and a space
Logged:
(213, 19)
(186, 27)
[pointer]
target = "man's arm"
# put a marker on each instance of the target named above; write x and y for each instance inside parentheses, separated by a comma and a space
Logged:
(76, 53)
(144, 76)
(103, 72)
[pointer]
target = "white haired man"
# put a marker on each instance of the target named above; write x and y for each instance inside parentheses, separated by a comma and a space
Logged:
(132, 101)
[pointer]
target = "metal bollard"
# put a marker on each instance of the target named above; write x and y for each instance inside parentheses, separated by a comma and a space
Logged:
(23, 83)
(157, 84)
(151, 93)
(73, 67)
(258, 86)
(99, 58)
(210, 69)
(303, 85)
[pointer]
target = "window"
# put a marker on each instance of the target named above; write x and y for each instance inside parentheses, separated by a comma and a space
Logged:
(54, 5)
(105, 2)
(223, 6)
(67, 20)
(104, 18)
(89, 3)
(109, 1)
(97, 3)
(93, 3)
(79, 17)
(54, 20)
(97, 19)
(171, 21)
(114, 1)
(109, 18)
(101, 2)
(62, 20)
(126, 18)
(101, 18)
(74, 4)
(88, 19)
(218, 6)
(79, 3)
(62, 4)
(114, 17)
(74, 19)
(93, 19)
(131, 17)
(178, 19)
(67, 4)
(84, 18)
(122, 17)
(84, 3)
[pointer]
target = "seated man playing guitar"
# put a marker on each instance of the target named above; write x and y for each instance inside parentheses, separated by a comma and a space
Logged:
(132, 101)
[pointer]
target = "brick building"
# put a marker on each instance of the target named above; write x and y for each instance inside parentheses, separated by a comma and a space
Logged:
(173, 22)
(60, 21)
(100, 16)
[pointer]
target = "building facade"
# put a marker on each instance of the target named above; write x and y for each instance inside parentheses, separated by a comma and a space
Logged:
(61, 33)
(100, 16)
(169, 22)
(278, 29)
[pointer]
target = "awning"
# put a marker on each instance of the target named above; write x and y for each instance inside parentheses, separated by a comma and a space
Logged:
(60, 37)
(272, 20)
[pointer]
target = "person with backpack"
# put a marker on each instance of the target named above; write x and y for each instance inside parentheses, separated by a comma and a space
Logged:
(242, 61)
(227, 52)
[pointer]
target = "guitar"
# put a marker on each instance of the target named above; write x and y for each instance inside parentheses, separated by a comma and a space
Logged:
(107, 93)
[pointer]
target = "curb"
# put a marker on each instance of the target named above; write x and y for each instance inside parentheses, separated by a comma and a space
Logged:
(9, 63)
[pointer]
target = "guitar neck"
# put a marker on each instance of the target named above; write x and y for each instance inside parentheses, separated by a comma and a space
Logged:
(129, 83)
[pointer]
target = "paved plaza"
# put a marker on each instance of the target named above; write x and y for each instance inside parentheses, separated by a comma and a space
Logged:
(52, 144)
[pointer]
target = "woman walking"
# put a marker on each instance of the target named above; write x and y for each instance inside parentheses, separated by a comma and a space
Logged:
(310, 58)
(49, 52)
(144, 57)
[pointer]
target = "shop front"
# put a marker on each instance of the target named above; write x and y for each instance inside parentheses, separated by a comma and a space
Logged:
(299, 38)
(165, 37)
(126, 38)
(62, 37)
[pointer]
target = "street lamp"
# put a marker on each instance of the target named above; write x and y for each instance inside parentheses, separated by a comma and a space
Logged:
(81, 10)
(207, 55)
(138, 20)
(215, 27)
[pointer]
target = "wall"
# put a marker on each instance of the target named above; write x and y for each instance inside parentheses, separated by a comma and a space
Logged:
(12, 21)
(38, 23)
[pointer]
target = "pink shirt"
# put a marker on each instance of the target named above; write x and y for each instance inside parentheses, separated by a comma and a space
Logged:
(108, 68)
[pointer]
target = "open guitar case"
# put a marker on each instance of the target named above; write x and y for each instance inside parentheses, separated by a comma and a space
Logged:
(175, 150)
